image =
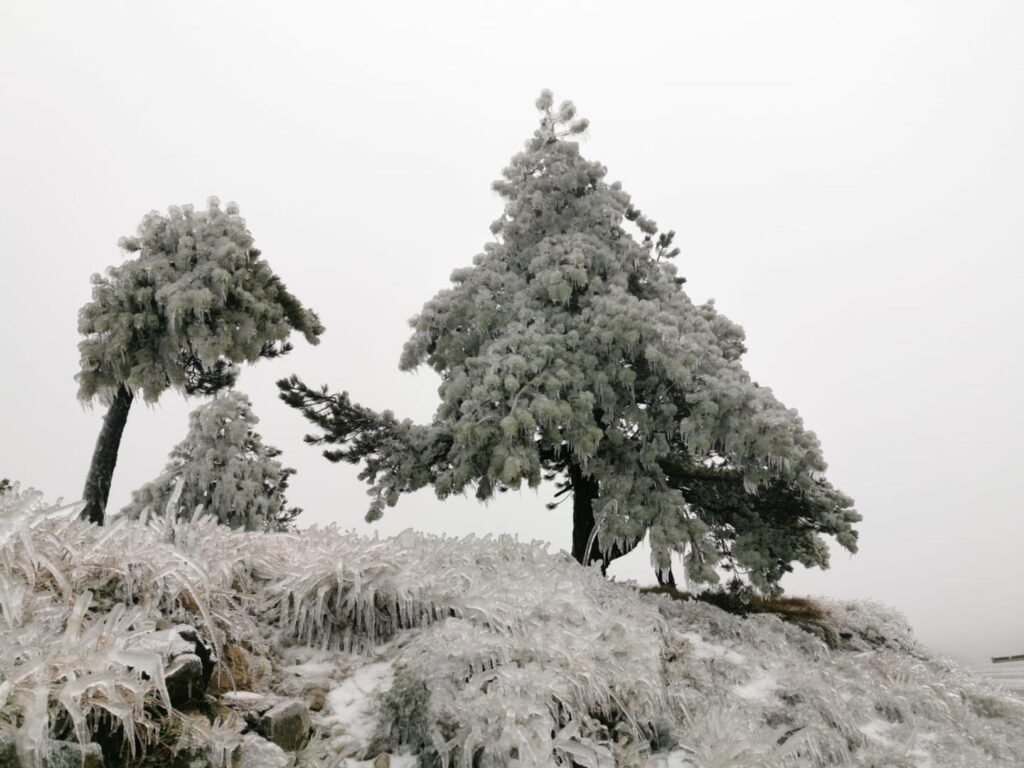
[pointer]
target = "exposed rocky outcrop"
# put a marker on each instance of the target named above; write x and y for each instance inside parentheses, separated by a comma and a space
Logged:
(286, 724)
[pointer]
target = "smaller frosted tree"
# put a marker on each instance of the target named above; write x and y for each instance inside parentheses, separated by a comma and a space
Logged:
(225, 467)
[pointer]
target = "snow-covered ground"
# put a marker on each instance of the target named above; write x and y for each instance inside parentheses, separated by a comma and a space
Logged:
(457, 651)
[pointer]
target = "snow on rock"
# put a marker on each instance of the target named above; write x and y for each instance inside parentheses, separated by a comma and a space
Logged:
(256, 752)
(352, 708)
(875, 731)
(702, 649)
(759, 689)
(393, 761)
(169, 643)
(244, 698)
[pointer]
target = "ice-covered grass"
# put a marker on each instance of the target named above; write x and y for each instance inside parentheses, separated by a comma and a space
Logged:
(475, 651)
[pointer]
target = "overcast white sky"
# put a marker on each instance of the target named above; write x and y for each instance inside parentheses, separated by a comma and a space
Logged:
(846, 180)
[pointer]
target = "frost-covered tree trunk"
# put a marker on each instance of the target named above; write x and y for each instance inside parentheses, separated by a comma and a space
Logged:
(104, 457)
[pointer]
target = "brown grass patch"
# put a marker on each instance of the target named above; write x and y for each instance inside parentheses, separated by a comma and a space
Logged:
(795, 609)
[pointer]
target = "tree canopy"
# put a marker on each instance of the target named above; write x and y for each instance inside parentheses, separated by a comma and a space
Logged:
(569, 351)
(195, 300)
(224, 466)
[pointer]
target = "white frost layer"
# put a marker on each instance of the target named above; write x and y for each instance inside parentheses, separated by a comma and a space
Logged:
(397, 761)
(702, 649)
(875, 730)
(506, 652)
(352, 709)
(759, 689)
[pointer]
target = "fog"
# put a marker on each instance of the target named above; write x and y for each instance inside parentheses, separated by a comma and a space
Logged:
(846, 181)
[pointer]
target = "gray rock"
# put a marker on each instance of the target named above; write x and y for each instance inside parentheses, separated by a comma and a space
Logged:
(256, 752)
(71, 754)
(200, 648)
(185, 679)
(286, 724)
(187, 659)
(248, 705)
(316, 698)
(53, 754)
(8, 752)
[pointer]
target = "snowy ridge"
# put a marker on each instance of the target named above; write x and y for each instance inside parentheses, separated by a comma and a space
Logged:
(477, 651)
(1009, 675)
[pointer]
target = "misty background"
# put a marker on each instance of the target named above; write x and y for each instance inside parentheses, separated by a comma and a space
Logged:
(846, 181)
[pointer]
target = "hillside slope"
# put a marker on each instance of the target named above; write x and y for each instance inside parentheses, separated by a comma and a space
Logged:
(181, 642)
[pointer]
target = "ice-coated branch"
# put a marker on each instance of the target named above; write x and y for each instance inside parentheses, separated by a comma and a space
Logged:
(397, 456)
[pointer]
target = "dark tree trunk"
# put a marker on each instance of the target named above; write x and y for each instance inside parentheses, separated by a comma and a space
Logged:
(585, 491)
(104, 457)
(665, 578)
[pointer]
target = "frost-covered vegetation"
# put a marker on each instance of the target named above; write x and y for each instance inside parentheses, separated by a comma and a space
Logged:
(458, 652)
(194, 300)
(569, 351)
(197, 629)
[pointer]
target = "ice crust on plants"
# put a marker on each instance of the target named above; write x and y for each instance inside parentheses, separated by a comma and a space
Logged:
(502, 654)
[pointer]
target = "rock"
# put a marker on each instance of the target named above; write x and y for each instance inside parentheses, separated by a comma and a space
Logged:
(257, 752)
(199, 648)
(240, 670)
(186, 746)
(316, 698)
(185, 680)
(248, 705)
(245, 701)
(52, 754)
(382, 760)
(286, 724)
(8, 752)
(70, 754)
(167, 642)
(188, 661)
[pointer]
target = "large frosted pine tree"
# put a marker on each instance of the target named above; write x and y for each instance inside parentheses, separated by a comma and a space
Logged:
(195, 300)
(569, 351)
(224, 466)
